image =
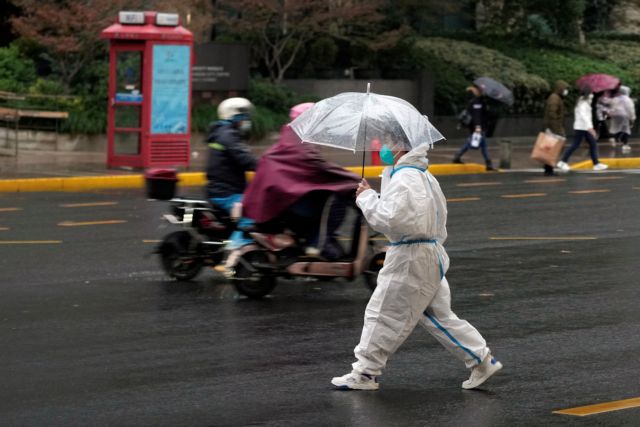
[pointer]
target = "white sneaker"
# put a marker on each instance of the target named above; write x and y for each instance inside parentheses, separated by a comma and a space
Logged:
(480, 373)
(600, 167)
(354, 381)
(612, 142)
(626, 148)
(563, 166)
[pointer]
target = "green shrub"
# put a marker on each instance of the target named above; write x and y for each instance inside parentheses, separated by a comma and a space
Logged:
(46, 87)
(553, 64)
(323, 51)
(87, 116)
(202, 115)
(271, 96)
(455, 61)
(265, 120)
(623, 53)
(16, 72)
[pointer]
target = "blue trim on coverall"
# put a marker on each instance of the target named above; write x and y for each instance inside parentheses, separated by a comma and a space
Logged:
(432, 241)
(406, 167)
(455, 341)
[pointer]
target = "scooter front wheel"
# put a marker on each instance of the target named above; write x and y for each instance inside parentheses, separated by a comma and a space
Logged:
(250, 281)
(178, 256)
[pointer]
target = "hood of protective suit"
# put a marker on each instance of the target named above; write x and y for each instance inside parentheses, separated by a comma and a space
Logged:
(560, 86)
(625, 90)
(416, 157)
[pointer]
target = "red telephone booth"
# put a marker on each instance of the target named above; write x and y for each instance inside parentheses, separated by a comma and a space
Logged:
(149, 120)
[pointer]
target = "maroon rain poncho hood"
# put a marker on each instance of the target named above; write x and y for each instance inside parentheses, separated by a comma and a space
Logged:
(286, 172)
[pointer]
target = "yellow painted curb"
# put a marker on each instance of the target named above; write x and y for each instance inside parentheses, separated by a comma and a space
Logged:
(81, 183)
(75, 183)
(613, 163)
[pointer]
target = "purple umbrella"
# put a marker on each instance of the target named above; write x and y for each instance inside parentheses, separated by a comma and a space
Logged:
(494, 89)
(598, 82)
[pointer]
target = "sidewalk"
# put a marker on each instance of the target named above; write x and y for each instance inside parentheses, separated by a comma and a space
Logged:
(54, 171)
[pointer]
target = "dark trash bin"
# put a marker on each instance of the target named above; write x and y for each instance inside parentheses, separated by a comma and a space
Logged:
(161, 183)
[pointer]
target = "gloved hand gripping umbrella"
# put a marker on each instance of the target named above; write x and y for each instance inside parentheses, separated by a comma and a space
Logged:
(352, 120)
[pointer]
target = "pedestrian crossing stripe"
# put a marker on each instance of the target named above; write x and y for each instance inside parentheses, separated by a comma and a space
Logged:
(543, 238)
(599, 408)
(522, 196)
(545, 181)
(478, 184)
(602, 190)
(463, 199)
(90, 204)
(30, 242)
(82, 223)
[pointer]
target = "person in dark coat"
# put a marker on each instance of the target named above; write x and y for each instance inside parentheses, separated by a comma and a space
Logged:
(478, 127)
(554, 112)
(229, 155)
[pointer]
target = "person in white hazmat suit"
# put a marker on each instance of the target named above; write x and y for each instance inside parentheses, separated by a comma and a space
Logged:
(411, 212)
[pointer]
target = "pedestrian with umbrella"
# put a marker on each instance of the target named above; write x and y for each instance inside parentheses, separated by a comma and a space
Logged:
(601, 85)
(583, 129)
(478, 113)
(411, 211)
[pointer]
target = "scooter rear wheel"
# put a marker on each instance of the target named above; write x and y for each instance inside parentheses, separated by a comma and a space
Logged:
(178, 256)
(374, 267)
(252, 282)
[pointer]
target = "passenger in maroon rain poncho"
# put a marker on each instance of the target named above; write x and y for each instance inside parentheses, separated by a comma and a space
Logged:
(291, 186)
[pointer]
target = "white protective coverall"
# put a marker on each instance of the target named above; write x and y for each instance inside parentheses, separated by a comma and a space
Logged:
(412, 213)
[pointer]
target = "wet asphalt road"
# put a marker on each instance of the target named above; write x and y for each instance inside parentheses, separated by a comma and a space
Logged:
(92, 333)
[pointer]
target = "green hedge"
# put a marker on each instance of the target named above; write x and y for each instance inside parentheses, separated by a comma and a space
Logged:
(17, 73)
(263, 121)
(622, 53)
(457, 63)
(88, 111)
(527, 66)
(554, 64)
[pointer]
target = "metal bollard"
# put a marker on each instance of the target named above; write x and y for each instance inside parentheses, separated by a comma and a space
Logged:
(505, 154)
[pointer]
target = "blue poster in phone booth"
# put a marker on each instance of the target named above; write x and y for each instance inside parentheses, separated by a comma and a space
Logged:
(170, 89)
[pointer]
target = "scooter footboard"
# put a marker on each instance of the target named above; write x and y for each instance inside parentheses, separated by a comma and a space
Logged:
(320, 268)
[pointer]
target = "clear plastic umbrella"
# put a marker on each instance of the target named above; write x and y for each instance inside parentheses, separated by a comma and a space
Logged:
(353, 120)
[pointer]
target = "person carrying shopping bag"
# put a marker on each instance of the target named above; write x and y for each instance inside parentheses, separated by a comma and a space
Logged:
(554, 113)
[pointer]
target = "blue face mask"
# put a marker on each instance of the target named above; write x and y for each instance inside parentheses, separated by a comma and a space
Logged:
(386, 155)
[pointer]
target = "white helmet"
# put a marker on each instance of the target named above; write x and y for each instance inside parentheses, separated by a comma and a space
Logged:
(233, 106)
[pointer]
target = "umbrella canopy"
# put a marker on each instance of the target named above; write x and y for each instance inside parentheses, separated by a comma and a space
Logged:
(494, 89)
(597, 82)
(352, 120)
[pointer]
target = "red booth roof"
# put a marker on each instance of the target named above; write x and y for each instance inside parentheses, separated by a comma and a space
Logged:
(147, 31)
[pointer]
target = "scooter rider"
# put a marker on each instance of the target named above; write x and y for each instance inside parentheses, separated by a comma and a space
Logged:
(412, 212)
(292, 186)
(228, 155)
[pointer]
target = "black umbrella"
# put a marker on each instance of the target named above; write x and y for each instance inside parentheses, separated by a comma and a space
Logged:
(494, 89)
